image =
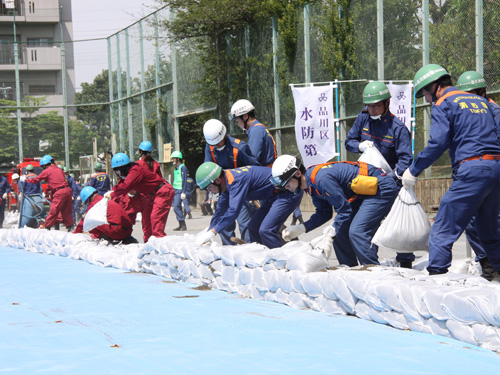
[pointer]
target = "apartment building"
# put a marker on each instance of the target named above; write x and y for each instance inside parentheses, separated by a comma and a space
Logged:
(37, 25)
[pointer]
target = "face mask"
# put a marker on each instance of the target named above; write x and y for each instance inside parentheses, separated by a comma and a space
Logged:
(376, 117)
(220, 148)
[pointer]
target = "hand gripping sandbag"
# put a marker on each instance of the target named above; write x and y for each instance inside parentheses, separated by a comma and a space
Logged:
(373, 156)
(407, 227)
(97, 215)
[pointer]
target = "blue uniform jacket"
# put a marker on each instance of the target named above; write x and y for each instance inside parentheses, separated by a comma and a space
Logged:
(29, 189)
(72, 184)
(243, 184)
(495, 111)
(390, 136)
(100, 181)
(225, 157)
(190, 186)
(462, 123)
(4, 186)
(261, 143)
(332, 188)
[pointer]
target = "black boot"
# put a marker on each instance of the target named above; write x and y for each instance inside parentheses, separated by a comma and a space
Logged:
(488, 271)
(182, 226)
(405, 265)
(56, 227)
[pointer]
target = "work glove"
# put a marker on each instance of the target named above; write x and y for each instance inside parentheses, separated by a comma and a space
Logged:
(324, 243)
(22, 178)
(364, 145)
(293, 231)
(204, 236)
(409, 180)
(107, 195)
(78, 198)
(183, 196)
(4, 196)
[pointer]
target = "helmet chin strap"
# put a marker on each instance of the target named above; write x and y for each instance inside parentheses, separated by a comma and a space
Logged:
(297, 191)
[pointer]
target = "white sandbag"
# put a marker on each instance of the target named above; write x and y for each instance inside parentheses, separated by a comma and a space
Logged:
(487, 337)
(309, 260)
(407, 227)
(97, 215)
(460, 331)
(373, 156)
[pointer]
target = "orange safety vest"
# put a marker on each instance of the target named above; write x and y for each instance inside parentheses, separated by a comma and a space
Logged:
(235, 153)
(363, 171)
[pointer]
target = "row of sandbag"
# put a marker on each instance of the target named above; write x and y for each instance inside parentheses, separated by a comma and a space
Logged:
(75, 246)
(464, 307)
(459, 306)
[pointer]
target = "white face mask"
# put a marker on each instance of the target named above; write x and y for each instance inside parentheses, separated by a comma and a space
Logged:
(220, 148)
(376, 117)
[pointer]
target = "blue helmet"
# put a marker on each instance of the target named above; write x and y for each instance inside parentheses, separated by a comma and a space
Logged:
(86, 192)
(119, 160)
(146, 146)
(47, 159)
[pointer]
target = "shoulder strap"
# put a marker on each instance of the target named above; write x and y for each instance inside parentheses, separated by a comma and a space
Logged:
(213, 154)
(363, 168)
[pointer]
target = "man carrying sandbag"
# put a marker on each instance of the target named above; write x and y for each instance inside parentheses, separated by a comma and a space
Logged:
(377, 127)
(236, 186)
(119, 227)
(463, 123)
(361, 194)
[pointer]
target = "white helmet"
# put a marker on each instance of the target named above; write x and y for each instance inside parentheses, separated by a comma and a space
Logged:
(214, 131)
(284, 168)
(15, 176)
(239, 108)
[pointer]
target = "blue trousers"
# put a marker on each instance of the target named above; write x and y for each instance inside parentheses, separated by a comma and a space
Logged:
(474, 190)
(474, 241)
(354, 237)
(179, 214)
(273, 212)
(244, 217)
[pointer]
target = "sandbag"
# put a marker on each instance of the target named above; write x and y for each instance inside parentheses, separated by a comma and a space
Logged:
(97, 215)
(407, 227)
(373, 156)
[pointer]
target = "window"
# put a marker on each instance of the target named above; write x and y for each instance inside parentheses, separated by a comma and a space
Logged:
(40, 42)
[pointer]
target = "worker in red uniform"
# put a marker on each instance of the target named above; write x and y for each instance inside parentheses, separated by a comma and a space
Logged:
(62, 194)
(143, 181)
(120, 226)
(147, 162)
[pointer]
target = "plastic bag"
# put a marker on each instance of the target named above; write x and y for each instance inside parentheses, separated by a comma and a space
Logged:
(373, 156)
(407, 227)
(97, 215)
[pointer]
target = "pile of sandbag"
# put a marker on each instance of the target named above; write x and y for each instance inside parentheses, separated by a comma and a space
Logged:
(461, 306)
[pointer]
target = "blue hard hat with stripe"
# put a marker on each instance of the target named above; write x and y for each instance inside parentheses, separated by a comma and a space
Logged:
(146, 146)
(119, 160)
(86, 192)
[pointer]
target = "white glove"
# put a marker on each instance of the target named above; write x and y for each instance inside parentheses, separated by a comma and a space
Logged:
(107, 195)
(409, 180)
(22, 178)
(4, 196)
(323, 244)
(204, 236)
(293, 231)
(364, 145)
(78, 198)
(183, 196)
(330, 231)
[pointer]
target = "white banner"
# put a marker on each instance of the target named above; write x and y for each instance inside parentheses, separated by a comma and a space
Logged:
(401, 102)
(314, 125)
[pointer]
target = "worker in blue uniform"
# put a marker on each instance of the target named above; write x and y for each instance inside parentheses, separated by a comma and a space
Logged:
(475, 83)
(229, 152)
(260, 140)
(238, 185)
(359, 213)
(377, 127)
(4, 192)
(462, 123)
(100, 180)
(30, 189)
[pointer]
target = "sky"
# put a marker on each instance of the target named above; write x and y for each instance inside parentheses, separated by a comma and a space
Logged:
(100, 19)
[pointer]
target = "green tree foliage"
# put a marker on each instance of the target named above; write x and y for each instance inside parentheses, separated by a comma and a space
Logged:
(95, 115)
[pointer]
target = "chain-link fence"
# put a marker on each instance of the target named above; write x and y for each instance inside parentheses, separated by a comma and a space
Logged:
(151, 88)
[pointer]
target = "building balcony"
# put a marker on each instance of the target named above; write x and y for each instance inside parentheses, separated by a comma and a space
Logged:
(32, 11)
(31, 58)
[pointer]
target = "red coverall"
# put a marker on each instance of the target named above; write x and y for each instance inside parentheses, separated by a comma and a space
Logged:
(62, 195)
(119, 227)
(150, 184)
(147, 206)
(132, 205)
